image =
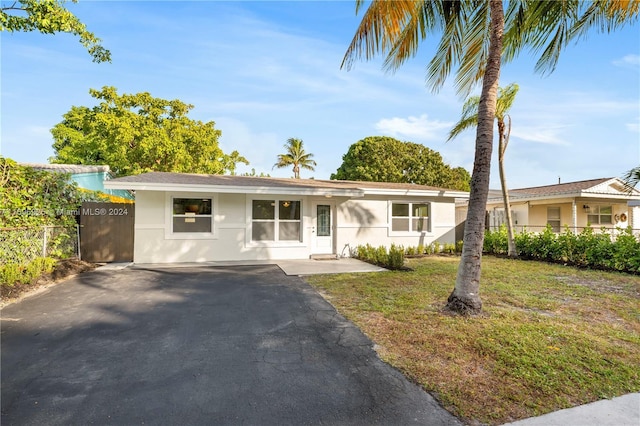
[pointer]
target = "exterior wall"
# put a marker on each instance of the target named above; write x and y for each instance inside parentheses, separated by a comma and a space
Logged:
(355, 221)
(367, 221)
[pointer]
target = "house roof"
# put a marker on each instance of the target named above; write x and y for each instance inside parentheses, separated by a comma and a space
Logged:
(68, 168)
(162, 181)
(608, 187)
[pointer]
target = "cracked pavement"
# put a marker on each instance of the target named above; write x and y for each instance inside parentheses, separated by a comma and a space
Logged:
(197, 345)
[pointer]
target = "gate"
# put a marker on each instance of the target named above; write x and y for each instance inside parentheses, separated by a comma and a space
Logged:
(106, 232)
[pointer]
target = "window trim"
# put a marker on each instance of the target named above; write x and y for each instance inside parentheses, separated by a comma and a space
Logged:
(390, 216)
(559, 219)
(599, 214)
(168, 228)
(276, 242)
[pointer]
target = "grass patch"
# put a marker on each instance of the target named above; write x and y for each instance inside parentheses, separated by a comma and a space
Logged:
(551, 336)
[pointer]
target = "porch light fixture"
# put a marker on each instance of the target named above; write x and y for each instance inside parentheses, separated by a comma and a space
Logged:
(585, 206)
(328, 196)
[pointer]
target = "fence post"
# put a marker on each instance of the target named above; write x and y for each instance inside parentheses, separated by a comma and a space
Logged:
(44, 242)
(78, 252)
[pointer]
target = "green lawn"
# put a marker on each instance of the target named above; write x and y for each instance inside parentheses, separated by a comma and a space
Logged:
(551, 336)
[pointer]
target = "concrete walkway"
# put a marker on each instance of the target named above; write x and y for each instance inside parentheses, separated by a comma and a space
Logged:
(294, 267)
(621, 411)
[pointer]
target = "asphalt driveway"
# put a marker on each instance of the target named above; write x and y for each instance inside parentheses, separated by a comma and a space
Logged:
(200, 345)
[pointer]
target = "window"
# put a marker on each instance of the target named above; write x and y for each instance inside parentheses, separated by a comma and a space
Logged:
(192, 215)
(410, 217)
(599, 215)
(553, 218)
(275, 224)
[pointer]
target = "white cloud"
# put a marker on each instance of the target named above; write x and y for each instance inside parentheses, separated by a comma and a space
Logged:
(257, 147)
(546, 135)
(633, 127)
(420, 128)
(628, 61)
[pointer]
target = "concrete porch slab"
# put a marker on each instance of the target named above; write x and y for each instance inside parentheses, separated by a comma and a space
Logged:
(290, 267)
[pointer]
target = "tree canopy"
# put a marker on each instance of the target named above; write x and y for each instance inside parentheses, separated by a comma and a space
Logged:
(50, 17)
(139, 133)
(385, 159)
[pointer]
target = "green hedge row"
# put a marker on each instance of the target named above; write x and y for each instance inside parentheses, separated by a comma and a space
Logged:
(589, 248)
(14, 273)
(391, 259)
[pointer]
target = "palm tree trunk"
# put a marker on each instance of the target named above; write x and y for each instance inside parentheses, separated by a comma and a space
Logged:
(465, 298)
(503, 141)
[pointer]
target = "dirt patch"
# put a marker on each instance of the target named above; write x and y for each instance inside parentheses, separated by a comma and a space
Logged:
(64, 269)
(601, 285)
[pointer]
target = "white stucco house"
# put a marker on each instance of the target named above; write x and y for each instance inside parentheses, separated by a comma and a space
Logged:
(199, 218)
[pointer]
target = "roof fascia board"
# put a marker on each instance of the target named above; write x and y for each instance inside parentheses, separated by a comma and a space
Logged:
(415, 193)
(228, 189)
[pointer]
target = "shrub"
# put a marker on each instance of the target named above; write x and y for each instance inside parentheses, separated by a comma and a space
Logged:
(14, 273)
(394, 259)
(598, 250)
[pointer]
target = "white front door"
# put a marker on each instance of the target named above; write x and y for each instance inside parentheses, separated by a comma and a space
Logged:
(322, 228)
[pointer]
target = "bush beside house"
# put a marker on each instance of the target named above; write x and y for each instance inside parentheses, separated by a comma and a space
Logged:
(589, 248)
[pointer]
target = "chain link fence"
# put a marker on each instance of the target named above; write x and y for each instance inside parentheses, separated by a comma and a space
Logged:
(23, 245)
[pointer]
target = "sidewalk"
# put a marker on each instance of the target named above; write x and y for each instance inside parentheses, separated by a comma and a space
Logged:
(621, 411)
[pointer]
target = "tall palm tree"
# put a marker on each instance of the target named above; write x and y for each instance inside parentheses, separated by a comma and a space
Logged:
(296, 157)
(469, 118)
(476, 35)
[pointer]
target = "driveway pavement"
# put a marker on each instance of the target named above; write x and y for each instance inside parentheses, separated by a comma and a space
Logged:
(199, 345)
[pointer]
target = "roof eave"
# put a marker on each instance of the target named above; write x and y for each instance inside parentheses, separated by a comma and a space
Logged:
(416, 192)
(233, 189)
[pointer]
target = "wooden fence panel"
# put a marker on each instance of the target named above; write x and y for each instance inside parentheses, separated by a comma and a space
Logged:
(106, 232)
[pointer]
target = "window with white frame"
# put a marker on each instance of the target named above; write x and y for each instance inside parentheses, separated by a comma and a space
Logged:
(275, 220)
(192, 215)
(410, 217)
(553, 218)
(599, 215)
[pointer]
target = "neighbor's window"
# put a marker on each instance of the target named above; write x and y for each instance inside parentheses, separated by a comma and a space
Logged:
(599, 215)
(192, 214)
(553, 218)
(275, 220)
(410, 217)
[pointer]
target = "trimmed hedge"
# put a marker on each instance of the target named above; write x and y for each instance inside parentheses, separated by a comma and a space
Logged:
(597, 250)
(392, 259)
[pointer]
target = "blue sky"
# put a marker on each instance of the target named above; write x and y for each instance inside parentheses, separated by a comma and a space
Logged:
(268, 71)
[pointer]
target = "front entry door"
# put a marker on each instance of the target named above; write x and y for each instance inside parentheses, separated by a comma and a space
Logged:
(323, 229)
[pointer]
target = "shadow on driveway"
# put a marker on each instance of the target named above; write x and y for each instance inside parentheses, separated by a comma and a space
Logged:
(201, 345)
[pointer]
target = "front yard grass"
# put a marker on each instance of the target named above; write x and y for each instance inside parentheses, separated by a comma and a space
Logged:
(551, 336)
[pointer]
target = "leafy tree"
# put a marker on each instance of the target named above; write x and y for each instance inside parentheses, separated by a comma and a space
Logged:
(296, 157)
(30, 197)
(475, 36)
(469, 118)
(385, 159)
(50, 17)
(139, 133)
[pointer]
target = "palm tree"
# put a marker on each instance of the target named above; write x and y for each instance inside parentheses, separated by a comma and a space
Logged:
(476, 36)
(296, 157)
(632, 178)
(469, 118)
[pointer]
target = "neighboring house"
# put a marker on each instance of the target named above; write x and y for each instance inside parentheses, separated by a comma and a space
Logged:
(91, 178)
(198, 218)
(601, 203)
